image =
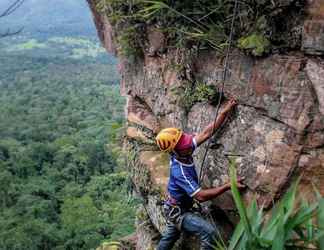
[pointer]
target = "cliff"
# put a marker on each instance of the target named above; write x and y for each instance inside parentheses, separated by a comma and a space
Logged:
(276, 132)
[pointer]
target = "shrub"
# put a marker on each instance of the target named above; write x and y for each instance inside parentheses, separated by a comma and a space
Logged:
(290, 225)
(206, 23)
(256, 44)
(200, 92)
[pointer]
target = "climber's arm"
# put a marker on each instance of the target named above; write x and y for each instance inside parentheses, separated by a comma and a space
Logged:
(212, 127)
(211, 193)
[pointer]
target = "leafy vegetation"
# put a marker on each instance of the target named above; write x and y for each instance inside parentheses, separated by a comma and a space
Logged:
(256, 44)
(57, 47)
(291, 224)
(200, 92)
(62, 180)
(203, 23)
(31, 44)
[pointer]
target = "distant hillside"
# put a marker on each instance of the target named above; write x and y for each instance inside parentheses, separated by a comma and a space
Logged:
(58, 17)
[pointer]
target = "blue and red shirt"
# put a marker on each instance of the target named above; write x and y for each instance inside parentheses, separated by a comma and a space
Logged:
(183, 183)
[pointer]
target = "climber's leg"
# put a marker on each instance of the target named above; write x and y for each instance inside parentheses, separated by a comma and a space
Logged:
(195, 224)
(169, 237)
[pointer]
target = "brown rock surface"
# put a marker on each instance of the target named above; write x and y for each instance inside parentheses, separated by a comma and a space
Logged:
(157, 163)
(315, 9)
(104, 29)
(315, 72)
(312, 42)
(137, 134)
(138, 112)
(312, 167)
(313, 35)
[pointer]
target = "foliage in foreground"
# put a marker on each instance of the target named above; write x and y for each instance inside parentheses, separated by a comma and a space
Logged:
(293, 224)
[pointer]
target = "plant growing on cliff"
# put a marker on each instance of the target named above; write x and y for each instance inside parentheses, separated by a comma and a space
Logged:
(290, 226)
(129, 28)
(256, 44)
(200, 92)
(204, 23)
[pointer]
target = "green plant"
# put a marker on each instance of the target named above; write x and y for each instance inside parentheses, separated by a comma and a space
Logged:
(112, 245)
(204, 92)
(189, 24)
(190, 21)
(124, 15)
(257, 45)
(201, 92)
(290, 226)
(206, 23)
(128, 42)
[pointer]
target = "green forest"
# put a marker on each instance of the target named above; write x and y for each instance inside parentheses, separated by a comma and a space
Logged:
(62, 175)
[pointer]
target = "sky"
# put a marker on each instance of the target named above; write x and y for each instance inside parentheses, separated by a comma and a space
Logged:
(55, 17)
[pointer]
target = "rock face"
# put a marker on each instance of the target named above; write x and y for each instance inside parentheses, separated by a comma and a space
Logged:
(276, 132)
(313, 35)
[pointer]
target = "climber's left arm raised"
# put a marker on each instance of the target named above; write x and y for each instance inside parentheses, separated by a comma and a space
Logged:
(213, 126)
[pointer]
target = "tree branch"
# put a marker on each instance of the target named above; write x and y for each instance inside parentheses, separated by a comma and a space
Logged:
(10, 33)
(12, 8)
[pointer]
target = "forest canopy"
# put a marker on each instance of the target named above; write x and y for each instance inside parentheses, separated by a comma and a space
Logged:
(63, 185)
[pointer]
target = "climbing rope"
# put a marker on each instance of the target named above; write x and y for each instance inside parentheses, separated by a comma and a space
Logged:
(207, 211)
(224, 76)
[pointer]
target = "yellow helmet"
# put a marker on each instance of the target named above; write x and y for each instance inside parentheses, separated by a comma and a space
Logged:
(168, 138)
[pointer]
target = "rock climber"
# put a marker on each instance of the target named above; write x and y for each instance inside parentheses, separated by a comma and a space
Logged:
(183, 186)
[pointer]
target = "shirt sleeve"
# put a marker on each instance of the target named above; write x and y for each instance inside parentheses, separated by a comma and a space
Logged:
(187, 183)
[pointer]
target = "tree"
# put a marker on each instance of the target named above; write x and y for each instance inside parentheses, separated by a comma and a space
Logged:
(82, 222)
(8, 11)
(60, 180)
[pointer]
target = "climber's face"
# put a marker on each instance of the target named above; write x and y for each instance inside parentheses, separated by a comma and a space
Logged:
(184, 147)
(185, 152)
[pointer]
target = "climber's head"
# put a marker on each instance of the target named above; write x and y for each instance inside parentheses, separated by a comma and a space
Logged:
(173, 139)
(168, 138)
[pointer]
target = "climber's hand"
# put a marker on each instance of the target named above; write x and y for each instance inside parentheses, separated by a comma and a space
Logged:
(230, 105)
(240, 184)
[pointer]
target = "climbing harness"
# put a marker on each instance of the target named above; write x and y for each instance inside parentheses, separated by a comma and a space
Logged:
(224, 76)
(173, 214)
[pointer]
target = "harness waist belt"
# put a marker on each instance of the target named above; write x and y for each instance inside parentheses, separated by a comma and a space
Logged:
(171, 201)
